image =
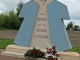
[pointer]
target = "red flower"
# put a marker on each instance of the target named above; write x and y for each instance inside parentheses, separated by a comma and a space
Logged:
(50, 49)
(46, 48)
(44, 55)
(48, 52)
(53, 53)
(53, 47)
(36, 51)
(57, 55)
(56, 58)
(32, 52)
(49, 58)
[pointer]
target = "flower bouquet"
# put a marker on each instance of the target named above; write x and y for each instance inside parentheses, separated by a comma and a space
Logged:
(34, 53)
(52, 53)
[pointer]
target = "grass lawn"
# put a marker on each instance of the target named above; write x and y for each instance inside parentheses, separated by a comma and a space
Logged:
(75, 49)
(1, 28)
(6, 42)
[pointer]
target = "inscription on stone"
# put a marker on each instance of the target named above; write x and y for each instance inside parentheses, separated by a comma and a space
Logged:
(41, 19)
(41, 36)
(42, 14)
(41, 27)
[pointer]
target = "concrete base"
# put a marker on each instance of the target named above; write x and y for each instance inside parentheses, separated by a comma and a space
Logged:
(18, 51)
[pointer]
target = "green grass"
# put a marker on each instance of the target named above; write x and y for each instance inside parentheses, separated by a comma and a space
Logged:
(1, 28)
(75, 49)
(5, 42)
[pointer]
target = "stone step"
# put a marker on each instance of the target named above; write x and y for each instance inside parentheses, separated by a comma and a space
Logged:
(12, 54)
(18, 51)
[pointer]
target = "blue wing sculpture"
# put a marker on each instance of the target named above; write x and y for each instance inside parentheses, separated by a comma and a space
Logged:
(56, 13)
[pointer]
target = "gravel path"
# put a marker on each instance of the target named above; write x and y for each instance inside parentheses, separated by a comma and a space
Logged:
(74, 36)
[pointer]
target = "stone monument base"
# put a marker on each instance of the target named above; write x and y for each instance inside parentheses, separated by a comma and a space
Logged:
(18, 51)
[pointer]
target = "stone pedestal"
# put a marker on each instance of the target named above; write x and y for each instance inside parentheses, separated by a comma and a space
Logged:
(18, 51)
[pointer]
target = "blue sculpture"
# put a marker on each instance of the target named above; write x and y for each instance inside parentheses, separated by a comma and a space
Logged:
(56, 13)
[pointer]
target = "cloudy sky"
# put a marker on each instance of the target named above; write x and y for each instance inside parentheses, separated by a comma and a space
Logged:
(73, 8)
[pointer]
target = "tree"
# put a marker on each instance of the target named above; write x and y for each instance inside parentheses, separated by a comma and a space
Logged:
(70, 25)
(15, 21)
(10, 20)
(7, 23)
(19, 6)
(2, 19)
(79, 28)
(76, 28)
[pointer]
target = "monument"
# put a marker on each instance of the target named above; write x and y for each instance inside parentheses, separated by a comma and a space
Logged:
(42, 24)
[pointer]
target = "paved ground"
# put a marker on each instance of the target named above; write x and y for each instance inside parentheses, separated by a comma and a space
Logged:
(73, 35)
(9, 58)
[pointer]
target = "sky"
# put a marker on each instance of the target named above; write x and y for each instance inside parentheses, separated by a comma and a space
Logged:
(72, 5)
